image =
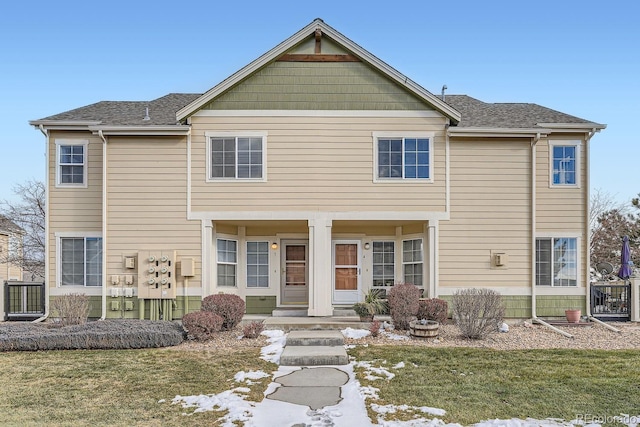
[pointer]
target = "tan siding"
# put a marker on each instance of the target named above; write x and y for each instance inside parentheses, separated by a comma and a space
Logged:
(74, 209)
(146, 191)
(307, 169)
(317, 86)
(490, 210)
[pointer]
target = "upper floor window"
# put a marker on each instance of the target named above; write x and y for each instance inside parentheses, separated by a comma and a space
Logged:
(71, 163)
(403, 158)
(557, 261)
(80, 261)
(564, 159)
(233, 157)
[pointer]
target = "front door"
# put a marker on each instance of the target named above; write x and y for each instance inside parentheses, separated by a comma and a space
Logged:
(346, 271)
(294, 289)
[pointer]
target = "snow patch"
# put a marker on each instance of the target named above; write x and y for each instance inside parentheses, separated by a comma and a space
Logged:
(355, 333)
(277, 340)
(248, 376)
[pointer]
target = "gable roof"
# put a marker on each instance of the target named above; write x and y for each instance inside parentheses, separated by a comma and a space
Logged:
(9, 227)
(299, 37)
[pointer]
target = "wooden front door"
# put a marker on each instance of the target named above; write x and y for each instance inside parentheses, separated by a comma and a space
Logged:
(346, 271)
(294, 289)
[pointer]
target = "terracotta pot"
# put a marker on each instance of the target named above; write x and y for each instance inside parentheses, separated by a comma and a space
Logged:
(573, 316)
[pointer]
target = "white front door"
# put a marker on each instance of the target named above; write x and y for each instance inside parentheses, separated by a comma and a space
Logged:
(346, 271)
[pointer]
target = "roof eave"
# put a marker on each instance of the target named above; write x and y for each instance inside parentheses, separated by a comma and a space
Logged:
(152, 130)
(498, 132)
(274, 53)
(64, 124)
(574, 127)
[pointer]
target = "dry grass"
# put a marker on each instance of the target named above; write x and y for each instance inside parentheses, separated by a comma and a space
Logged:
(118, 387)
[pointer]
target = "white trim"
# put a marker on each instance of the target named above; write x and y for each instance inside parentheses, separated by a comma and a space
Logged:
(55, 124)
(85, 161)
(585, 127)
(307, 215)
(376, 135)
(239, 134)
(332, 34)
(487, 132)
(142, 130)
(319, 113)
(578, 161)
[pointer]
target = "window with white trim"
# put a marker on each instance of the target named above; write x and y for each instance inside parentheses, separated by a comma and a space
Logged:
(71, 163)
(80, 261)
(557, 261)
(257, 264)
(412, 261)
(402, 158)
(383, 263)
(236, 157)
(227, 255)
(564, 160)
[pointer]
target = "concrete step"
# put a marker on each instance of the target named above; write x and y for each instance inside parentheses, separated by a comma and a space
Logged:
(289, 312)
(311, 355)
(335, 323)
(315, 338)
(344, 312)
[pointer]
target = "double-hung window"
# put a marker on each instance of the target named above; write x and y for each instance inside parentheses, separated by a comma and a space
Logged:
(71, 163)
(227, 252)
(81, 261)
(557, 261)
(383, 263)
(232, 157)
(564, 160)
(257, 264)
(403, 158)
(412, 261)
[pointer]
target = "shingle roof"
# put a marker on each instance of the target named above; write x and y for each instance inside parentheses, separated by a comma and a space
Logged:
(7, 226)
(476, 113)
(162, 111)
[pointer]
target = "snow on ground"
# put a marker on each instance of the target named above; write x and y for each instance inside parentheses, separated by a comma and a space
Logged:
(351, 410)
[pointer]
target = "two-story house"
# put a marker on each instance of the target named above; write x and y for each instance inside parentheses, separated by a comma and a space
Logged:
(310, 175)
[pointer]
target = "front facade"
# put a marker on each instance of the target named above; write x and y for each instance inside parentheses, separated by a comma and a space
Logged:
(309, 176)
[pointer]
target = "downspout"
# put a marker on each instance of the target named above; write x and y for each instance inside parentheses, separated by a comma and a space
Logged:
(534, 316)
(46, 227)
(588, 232)
(104, 224)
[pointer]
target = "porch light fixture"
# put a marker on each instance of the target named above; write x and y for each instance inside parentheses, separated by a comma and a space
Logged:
(367, 246)
(274, 246)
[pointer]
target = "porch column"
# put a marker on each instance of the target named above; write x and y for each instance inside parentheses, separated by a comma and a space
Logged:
(431, 233)
(208, 236)
(320, 267)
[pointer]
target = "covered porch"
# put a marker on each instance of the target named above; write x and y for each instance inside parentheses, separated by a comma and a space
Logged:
(319, 265)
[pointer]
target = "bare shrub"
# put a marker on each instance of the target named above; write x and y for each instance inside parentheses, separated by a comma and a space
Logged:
(433, 309)
(252, 329)
(374, 328)
(403, 303)
(71, 309)
(201, 325)
(477, 312)
(101, 335)
(229, 307)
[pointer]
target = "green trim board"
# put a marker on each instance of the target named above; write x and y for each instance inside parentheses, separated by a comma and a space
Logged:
(519, 306)
(260, 304)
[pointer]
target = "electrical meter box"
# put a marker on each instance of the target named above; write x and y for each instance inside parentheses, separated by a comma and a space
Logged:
(156, 274)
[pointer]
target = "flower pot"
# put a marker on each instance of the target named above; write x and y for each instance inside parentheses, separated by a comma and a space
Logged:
(573, 316)
(367, 318)
(424, 328)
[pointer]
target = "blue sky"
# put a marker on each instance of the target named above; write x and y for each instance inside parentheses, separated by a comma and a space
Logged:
(581, 58)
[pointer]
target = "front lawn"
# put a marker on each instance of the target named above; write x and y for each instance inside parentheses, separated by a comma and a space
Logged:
(118, 387)
(473, 385)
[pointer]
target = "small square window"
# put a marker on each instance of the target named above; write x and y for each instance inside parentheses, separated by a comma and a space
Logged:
(71, 163)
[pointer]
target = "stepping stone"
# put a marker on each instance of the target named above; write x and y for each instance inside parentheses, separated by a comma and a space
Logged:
(313, 387)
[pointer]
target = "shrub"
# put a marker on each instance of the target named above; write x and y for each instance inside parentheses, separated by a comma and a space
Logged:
(403, 303)
(229, 307)
(71, 309)
(477, 312)
(201, 325)
(101, 335)
(252, 329)
(433, 309)
(374, 328)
